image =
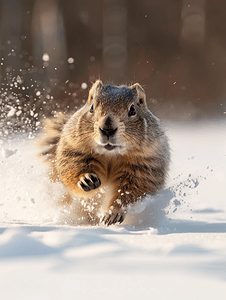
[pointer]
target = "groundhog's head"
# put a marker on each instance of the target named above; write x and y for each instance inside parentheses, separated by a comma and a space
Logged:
(116, 118)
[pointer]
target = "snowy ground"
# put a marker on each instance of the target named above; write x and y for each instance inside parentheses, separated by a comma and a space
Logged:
(174, 249)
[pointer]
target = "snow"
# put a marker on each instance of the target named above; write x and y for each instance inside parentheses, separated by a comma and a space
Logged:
(70, 60)
(171, 246)
(12, 112)
(7, 153)
(45, 57)
(84, 85)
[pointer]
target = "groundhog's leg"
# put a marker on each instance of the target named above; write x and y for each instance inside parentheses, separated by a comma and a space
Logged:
(117, 207)
(116, 212)
(88, 182)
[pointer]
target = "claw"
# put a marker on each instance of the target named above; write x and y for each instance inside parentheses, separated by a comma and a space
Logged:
(115, 219)
(121, 219)
(107, 220)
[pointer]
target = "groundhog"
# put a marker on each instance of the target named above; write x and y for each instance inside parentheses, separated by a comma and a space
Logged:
(110, 153)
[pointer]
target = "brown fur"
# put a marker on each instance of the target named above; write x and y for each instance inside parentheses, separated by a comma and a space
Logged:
(106, 145)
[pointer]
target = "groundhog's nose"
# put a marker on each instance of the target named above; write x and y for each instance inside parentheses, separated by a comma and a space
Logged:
(108, 128)
(108, 132)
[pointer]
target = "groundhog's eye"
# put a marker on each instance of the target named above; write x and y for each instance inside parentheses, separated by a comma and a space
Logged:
(92, 108)
(132, 110)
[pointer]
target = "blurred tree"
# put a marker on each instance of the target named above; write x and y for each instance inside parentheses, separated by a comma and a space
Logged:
(175, 48)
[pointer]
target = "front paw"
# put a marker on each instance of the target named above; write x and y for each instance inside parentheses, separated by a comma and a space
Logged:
(89, 182)
(113, 217)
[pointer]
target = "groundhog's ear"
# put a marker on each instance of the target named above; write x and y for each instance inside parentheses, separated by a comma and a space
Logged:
(140, 93)
(95, 87)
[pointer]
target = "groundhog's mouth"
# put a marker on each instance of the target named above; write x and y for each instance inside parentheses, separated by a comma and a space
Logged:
(109, 147)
